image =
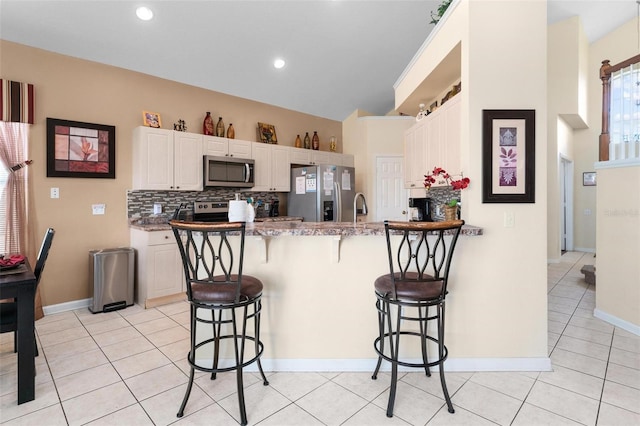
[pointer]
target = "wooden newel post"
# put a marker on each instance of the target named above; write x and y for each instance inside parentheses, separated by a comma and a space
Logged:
(605, 76)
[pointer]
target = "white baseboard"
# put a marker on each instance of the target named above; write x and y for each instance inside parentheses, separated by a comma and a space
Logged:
(585, 249)
(361, 365)
(67, 306)
(369, 364)
(618, 322)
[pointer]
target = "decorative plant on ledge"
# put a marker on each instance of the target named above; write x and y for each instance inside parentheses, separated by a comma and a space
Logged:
(451, 207)
(435, 17)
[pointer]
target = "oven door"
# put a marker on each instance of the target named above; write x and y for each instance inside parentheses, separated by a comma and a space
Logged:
(228, 172)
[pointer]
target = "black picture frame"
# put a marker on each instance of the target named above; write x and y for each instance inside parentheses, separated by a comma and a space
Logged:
(80, 150)
(508, 156)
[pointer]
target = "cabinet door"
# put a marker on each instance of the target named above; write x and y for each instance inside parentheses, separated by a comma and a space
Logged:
(165, 271)
(450, 136)
(419, 165)
(213, 145)
(187, 161)
(239, 148)
(261, 153)
(153, 159)
(348, 160)
(409, 157)
(280, 169)
(320, 157)
(300, 156)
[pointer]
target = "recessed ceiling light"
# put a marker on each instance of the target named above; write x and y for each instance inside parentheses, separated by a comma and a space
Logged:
(144, 13)
(278, 63)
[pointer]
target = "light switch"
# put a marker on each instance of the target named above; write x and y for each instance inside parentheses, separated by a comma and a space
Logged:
(98, 208)
(509, 219)
(587, 212)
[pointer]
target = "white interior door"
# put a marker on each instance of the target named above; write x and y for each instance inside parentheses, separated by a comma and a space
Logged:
(391, 196)
(566, 204)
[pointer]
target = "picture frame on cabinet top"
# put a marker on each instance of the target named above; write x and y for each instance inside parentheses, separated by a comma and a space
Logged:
(508, 156)
(80, 150)
(267, 133)
(151, 119)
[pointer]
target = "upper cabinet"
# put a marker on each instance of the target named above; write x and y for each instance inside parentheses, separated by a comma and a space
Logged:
(223, 147)
(308, 157)
(432, 142)
(272, 167)
(166, 160)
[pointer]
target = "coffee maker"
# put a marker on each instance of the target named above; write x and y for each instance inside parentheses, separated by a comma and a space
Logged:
(420, 210)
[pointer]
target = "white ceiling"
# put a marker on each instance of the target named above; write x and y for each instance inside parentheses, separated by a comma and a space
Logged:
(341, 55)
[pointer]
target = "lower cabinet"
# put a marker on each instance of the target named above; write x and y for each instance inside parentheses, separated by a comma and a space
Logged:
(159, 273)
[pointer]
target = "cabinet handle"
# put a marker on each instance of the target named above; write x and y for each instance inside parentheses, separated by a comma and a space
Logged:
(166, 237)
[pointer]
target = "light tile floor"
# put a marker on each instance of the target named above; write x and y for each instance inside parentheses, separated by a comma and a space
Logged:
(128, 368)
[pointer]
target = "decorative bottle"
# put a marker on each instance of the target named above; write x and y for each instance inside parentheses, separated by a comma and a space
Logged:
(298, 143)
(333, 143)
(231, 132)
(207, 125)
(307, 141)
(315, 141)
(220, 128)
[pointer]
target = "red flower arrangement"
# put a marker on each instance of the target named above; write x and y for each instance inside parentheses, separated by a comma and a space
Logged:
(430, 179)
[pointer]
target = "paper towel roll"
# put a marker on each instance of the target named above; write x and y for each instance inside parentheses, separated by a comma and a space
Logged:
(237, 211)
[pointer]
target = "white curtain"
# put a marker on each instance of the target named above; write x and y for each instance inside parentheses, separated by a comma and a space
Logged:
(14, 148)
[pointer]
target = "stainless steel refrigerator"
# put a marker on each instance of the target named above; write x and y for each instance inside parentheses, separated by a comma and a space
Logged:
(322, 193)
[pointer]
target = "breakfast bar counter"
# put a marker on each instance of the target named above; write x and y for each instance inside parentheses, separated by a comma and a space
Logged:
(319, 309)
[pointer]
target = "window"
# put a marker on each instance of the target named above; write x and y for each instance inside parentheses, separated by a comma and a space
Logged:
(4, 175)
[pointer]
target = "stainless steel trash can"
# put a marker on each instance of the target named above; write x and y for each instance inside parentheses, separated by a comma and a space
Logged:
(111, 277)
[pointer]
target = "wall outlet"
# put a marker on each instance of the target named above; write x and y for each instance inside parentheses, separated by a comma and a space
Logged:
(587, 212)
(509, 219)
(55, 192)
(98, 208)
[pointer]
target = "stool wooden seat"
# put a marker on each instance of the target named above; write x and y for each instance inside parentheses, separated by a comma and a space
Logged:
(420, 255)
(230, 300)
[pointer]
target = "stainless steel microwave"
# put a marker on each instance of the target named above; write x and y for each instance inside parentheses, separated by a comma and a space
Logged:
(228, 172)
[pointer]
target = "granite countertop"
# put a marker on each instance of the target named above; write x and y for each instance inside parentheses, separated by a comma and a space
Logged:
(287, 226)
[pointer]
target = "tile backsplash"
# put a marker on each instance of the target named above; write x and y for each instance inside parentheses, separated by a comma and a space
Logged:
(140, 202)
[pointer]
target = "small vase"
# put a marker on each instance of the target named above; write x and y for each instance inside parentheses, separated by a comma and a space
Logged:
(231, 132)
(450, 212)
(207, 125)
(315, 141)
(220, 128)
(307, 141)
(298, 143)
(333, 144)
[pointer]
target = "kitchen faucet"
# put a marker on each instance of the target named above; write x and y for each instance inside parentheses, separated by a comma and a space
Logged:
(364, 205)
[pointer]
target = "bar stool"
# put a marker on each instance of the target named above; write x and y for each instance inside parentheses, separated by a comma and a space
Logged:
(420, 256)
(216, 284)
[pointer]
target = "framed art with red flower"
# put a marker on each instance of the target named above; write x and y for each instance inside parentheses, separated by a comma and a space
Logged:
(508, 156)
(80, 150)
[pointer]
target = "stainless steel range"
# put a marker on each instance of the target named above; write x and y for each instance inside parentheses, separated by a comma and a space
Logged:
(211, 211)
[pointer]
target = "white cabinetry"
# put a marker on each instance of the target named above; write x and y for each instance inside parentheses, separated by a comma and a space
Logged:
(159, 272)
(166, 160)
(432, 142)
(303, 157)
(272, 167)
(223, 147)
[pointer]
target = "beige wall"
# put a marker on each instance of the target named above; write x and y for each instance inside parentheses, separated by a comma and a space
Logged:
(73, 89)
(502, 275)
(618, 236)
(618, 201)
(567, 59)
(371, 137)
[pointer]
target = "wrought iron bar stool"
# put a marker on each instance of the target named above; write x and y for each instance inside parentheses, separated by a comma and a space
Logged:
(420, 256)
(216, 284)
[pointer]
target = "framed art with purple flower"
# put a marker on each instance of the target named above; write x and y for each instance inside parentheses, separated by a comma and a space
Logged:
(80, 150)
(508, 156)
